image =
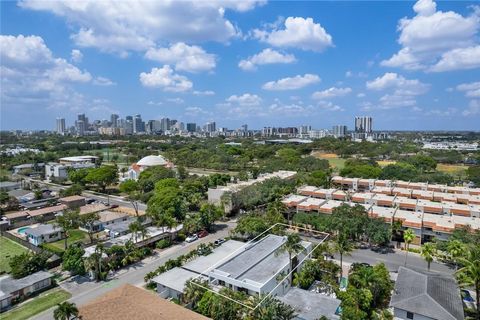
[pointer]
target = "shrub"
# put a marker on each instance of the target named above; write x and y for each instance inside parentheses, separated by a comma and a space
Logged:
(162, 244)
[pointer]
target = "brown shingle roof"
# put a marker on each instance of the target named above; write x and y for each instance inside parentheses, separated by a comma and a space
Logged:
(128, 302)
(71, 198)
(47, 210)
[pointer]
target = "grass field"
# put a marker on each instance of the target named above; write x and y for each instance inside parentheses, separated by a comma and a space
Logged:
(74, 237)
(453, 169)
(333, 159)
(38, 304)
(9, 249)
(384, 163)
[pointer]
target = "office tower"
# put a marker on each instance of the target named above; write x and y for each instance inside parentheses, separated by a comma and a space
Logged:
(172, 122)
(80, 126)
(138, 124)
(61, 125)
(210, 126)
(82, 117)
(244, 128)
(114, 120)
(179, 126)
(128, 125)
(363, 124)
(304, 129)
(191, 127)
(153, 126)
(165, 124)
(339, 131)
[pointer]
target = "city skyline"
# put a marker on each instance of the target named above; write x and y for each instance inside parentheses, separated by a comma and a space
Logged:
(256, 62)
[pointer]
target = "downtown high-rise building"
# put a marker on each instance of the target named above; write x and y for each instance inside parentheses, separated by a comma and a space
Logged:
(128, 125)
(210, 127)
(191, 127)
(61, 128)
(138, 124)
(165, 124)
(339, 131)
(114, 120)
(363, 124)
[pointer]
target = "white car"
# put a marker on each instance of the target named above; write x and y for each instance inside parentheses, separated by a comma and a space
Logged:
(191, 238)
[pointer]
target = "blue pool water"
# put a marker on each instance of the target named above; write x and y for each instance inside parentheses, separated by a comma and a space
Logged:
(22, 230)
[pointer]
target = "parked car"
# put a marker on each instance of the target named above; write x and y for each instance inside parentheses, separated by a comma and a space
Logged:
(113, 206)
(191, 238)
(202, 234)
(89, 200)
(219, 241)
(363, 245)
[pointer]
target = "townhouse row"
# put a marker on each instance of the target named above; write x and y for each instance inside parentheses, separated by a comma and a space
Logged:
(400, 200)
(425, 225)
(358, 184)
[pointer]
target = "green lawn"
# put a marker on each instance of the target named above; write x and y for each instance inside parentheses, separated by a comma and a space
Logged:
(9, 249)
(38, 304)
(337, 163)
(74, 237)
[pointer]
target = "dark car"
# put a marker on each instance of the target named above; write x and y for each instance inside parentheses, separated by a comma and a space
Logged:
(114, 206)
(358, 265)
(202, 234)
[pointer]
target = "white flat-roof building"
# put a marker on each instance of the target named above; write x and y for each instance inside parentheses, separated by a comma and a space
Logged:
(257, 269)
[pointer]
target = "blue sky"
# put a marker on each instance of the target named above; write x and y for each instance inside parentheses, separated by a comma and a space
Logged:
(410, 65)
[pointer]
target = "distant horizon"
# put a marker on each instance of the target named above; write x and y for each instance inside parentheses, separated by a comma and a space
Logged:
(409, 65)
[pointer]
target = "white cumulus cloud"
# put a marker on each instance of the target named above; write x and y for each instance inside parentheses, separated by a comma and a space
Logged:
(166, 79)
(76, 56)
(331, 93)
(437, 41)
(472, 90)
(102, 81)
(184, 57)
(246, 99)
(267, 56)
(130, 25)
(292, 83)
(300, 33)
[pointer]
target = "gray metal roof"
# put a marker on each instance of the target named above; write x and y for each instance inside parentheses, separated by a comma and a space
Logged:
(310, 305)
(430, 294)
(252, 255)
(9, 285)
(203, 264)
(175, 278)
(43, 229)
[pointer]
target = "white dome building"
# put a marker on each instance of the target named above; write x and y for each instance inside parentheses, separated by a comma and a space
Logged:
(151, 161)
(135, 169)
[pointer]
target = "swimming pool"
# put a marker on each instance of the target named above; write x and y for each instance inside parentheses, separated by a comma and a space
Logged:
(22, 230)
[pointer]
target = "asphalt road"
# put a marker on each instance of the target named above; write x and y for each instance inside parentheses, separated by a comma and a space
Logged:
(393, 260)
(84, 291)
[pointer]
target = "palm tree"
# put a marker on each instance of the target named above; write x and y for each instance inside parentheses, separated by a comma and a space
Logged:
(134, 228)
(194, 290)
(408, 237)
(455, 249)
(469, 274)
(395, 228)
(67, 221)
(429, 250)
(343, 246)
(65, 311)
(292, 246)
(167, 220)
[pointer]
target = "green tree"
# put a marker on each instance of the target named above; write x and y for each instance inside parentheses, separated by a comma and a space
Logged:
(72, 259)
(27, 263)
(208, 214)
(473, 174)
(293, 246)
(455, 249)
(73, 190)
(102, 176)
(251, 225)
(429, 250)
(89, 221)
(65, 311)
(269, 308)
(194, 291)
(343, 245)
(469, 274)
(408, 236)
(78, 176)
(67, 221)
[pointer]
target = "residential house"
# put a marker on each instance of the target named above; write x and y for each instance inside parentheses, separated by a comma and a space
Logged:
(311, 305)
(421, 295)
(44, 233)
(13, 290)
(73, 202)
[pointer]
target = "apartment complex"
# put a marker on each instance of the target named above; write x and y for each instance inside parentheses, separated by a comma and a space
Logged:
(427, 218)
